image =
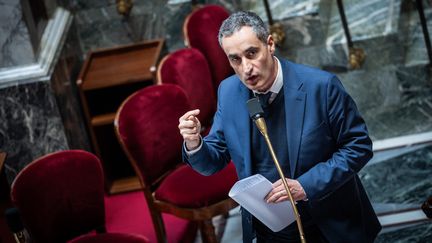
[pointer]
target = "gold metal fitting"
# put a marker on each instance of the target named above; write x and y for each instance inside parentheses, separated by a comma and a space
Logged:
(277, 33)
(356, 57)
(124, 7)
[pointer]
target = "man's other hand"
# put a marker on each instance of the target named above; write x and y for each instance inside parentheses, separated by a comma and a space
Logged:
(279, 194)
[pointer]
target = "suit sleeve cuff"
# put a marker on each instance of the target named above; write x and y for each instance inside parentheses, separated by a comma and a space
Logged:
(194, 151)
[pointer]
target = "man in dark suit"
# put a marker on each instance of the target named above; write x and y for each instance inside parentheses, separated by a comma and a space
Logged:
(319, 137)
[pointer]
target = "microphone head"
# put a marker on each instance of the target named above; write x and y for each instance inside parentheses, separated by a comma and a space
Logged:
(255, 109)
(13, 220)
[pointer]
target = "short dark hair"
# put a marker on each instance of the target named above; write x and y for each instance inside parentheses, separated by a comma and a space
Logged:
(243, 18)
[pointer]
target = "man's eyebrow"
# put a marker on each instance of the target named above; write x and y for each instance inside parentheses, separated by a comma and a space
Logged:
(232, 55)
(252, 48)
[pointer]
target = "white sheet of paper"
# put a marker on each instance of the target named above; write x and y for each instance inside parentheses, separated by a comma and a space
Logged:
(250, 193)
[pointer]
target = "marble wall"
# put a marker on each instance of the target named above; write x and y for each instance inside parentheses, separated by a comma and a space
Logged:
(42, 114)
(15, 44)
(30, 125)
(382, 19)
(282, 9)
(99, 24)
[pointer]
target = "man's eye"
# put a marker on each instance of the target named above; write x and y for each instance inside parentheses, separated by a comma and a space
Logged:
(235, 59)
(251, 54)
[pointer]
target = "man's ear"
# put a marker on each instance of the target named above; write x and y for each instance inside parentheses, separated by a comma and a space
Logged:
(271, 44)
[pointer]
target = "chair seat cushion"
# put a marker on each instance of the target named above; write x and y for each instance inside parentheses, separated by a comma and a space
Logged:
(187, 188)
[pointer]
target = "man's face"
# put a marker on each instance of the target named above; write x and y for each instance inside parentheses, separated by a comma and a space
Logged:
(251, 59)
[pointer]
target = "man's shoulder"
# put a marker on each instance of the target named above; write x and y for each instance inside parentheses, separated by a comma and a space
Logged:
(306, 75)
(230, 83)
(302, 69)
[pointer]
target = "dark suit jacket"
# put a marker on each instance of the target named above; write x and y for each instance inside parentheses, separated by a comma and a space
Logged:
(328, 144)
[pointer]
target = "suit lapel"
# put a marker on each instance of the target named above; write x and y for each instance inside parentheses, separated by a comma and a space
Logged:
(242, 123)
(295, 100)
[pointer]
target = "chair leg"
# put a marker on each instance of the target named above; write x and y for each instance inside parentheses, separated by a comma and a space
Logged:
(208, 233)
(159, 226)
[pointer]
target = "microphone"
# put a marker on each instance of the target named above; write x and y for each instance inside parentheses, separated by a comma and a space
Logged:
(256, 113)
(13, 220)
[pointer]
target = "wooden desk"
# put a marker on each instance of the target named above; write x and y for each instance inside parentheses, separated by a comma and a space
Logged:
(107, 78)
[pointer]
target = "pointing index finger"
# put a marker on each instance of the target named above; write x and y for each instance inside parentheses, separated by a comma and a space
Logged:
(188, 114)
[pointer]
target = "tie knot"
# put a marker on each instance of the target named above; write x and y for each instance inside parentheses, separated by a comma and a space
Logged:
(264, 98)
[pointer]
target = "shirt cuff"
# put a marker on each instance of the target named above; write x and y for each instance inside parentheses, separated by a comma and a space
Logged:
(306, 197)
(194, 151)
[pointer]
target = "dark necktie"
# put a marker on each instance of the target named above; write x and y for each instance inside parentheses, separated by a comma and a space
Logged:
(264, 98)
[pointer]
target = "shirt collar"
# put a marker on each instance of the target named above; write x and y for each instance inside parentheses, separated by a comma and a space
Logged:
(278, 82)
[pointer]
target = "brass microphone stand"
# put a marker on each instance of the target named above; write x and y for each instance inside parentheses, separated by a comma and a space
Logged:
(262, 127)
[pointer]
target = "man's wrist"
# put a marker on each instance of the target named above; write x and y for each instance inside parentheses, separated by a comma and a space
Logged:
(190, 152)
(191, 148)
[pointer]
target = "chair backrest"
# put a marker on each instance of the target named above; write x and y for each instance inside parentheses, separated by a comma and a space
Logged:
(60, 196)
(200, 29)
(146, 125)
(189, 69)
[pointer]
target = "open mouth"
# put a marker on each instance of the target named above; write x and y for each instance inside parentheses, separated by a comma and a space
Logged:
(252, 79)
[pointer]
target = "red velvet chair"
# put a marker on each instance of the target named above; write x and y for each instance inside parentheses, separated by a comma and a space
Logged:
(147, 127)
(188, 68)
(200, 29)
(61, 196)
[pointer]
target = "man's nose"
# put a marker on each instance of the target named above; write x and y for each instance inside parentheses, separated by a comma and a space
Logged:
(247, 67)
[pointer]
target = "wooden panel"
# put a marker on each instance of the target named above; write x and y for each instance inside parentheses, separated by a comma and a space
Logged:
(117, 66)
(103, 119)
(2, 160)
